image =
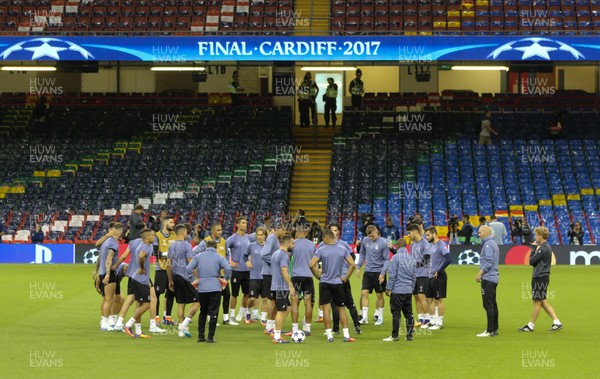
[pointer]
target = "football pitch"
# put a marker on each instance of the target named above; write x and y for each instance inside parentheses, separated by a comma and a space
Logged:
(50, 329)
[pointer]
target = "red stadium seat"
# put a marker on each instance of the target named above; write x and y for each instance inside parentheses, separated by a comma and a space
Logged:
(396, 23)
(156, 11)
(140, 23)
(142, 11)
(113, 11)
(168, 23)
(338, 10)
(170, 11)
(199, 11)
(85, 10)
(97, 23)
(127, 11)
(185, 11)
(154, 23)
(99, 11)
(111, 24)
(126, 24)
(183, 23)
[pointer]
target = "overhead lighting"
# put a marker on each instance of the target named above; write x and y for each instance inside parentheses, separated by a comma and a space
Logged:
(177, 68)
(479, 68)
(28, 68)
(329, 68)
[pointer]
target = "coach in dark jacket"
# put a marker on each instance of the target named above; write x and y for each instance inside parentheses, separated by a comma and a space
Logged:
(136, 222)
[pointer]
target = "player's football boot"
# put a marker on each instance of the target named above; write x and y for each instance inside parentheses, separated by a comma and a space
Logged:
(555, 328)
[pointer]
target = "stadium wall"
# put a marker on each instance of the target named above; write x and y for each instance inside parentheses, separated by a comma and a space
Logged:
(461, 254)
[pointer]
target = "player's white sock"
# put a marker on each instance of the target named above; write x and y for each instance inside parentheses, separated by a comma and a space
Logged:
(130, 323)
(277, 334)
(152, 323)
(186, 322)
(226, 317)
(320, 313)
(138, 328)
(263, 315)
(307, 327)
(426, 317)
(436, 312)
(346, 333)
(530, 325)
(112, 319)
(254, 312)
(365, 312)
(232, 313)
(380, 310)
(270, 324)
(104, 322)
(120, 321)
(294, 327)
(420, 317)
(440, 320)
(164, 314)
(556, 322)
(329, 333)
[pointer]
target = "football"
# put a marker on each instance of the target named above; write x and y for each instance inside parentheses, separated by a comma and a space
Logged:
(468, 257)
(298, 336)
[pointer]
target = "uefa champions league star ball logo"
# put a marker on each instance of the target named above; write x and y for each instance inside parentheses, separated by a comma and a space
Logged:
(536, 47)
(91, 256)
(45, 48)
(468, 257)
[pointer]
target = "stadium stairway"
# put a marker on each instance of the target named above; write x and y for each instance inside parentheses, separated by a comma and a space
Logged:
(312, 166)
(317, 14)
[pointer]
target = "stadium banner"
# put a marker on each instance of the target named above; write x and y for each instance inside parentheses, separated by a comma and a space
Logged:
(400, 49)
(519, 254)
(88, 253)
(34, 253)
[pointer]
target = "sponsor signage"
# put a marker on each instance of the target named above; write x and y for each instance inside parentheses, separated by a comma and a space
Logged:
(401, 49)
(519, 255)
(39, 254)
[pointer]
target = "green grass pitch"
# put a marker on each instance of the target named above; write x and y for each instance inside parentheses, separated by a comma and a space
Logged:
(51, 314)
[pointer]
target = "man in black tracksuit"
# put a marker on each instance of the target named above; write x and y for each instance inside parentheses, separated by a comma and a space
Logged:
(541, 260)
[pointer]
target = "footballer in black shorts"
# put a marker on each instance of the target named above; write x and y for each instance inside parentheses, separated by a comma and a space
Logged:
(112, 279)
(541, 258)
(185, 293)
(421, 286)
(141, 292)
(539, 287)
(304, 286)
(161, 282)
(266, 292)
(282, 300)
(437, 286)
(240, 279)
(370, 282)
(332, 293)
(255, 287)
(129, 287)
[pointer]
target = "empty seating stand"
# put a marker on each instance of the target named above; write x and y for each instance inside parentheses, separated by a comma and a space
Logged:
(214, 168)
(427, 17)
(155, 17)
